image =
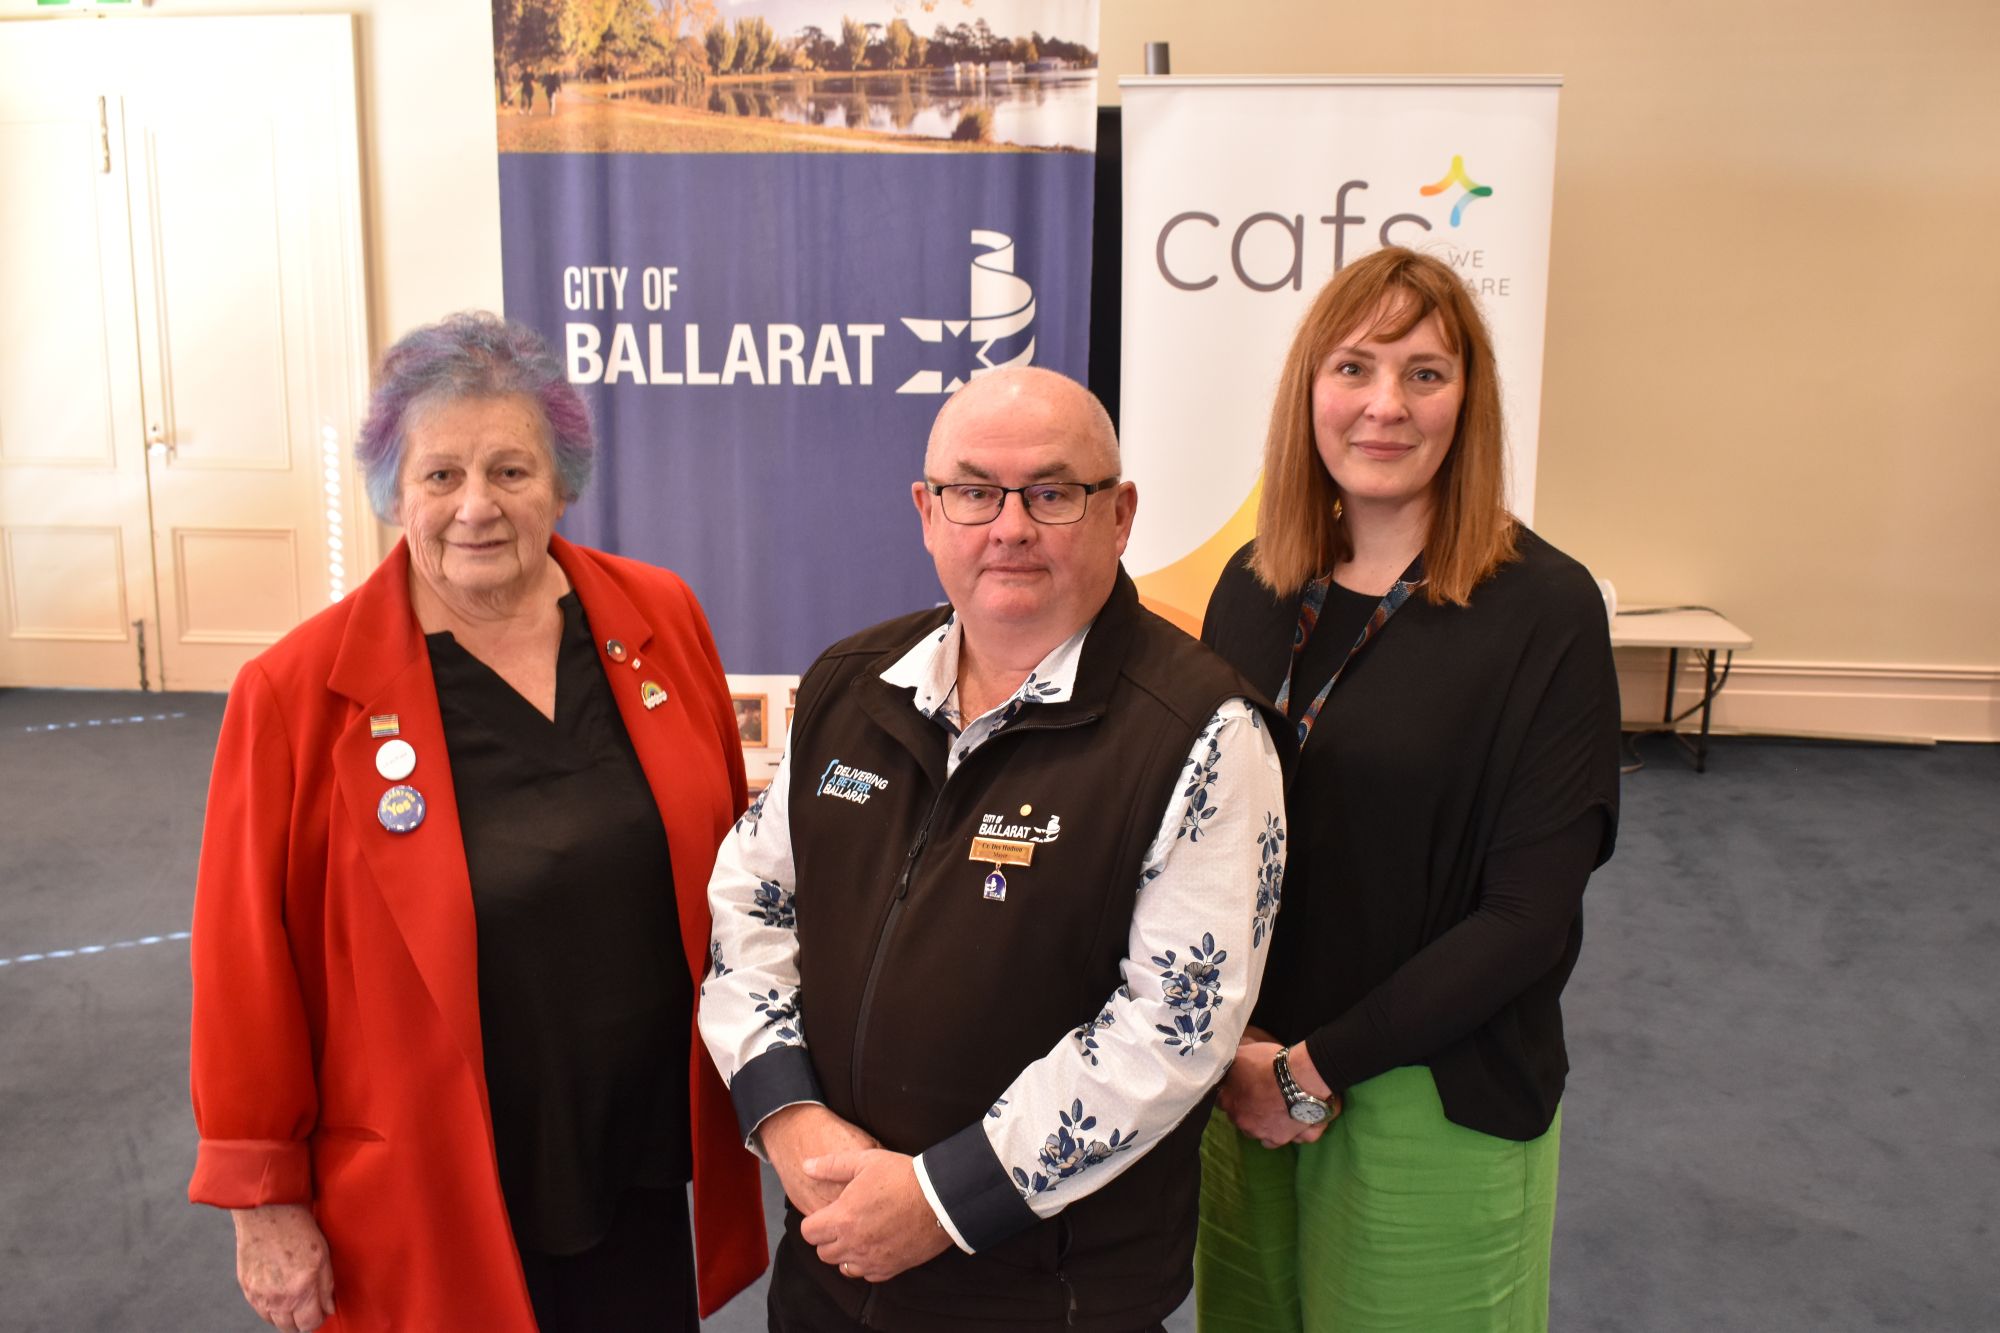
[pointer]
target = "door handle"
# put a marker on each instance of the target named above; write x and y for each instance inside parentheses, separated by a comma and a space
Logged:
(157, 444)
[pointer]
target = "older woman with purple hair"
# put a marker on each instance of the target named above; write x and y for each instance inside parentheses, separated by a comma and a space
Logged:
(451, 919)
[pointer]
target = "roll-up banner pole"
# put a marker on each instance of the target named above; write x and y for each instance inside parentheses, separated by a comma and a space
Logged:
(1242, 197)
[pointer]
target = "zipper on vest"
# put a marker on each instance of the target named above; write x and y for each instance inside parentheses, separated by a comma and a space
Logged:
(916, 850)
(882, 946)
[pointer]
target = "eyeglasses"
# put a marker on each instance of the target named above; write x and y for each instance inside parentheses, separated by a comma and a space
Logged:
(1052, 502)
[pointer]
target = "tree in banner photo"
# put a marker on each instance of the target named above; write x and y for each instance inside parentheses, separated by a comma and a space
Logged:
(768, 239)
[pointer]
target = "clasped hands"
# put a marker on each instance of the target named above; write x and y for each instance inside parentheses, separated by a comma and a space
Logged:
(1252, 1101)
(864, 1211)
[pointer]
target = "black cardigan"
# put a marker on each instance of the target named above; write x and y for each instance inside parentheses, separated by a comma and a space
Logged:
(1457, 788)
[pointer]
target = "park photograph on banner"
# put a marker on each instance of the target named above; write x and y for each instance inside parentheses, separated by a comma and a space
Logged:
(768, 238)
(1242, 198)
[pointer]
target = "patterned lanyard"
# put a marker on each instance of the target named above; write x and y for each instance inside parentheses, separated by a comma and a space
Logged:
(1311, 602)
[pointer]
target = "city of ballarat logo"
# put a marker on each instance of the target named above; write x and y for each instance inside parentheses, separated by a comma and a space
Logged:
(1001, 305)
(849, 783)
(996, 330)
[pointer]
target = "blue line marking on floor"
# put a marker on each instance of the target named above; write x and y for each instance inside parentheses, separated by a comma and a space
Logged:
(103, 722)
(95, 948)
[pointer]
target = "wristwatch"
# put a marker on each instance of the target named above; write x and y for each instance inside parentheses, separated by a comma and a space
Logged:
(1300, 1104)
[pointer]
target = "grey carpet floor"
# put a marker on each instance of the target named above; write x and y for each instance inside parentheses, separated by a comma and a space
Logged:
(1780, 1115)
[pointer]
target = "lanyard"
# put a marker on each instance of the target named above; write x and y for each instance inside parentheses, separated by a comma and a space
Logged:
(1311, 602)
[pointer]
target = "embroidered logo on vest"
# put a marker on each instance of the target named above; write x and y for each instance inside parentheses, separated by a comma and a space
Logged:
(849, 784)
(998, 826)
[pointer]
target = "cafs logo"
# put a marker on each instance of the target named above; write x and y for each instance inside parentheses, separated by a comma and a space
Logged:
(1270, 251)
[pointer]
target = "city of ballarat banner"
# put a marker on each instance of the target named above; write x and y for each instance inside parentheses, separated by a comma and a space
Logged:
(768, 239)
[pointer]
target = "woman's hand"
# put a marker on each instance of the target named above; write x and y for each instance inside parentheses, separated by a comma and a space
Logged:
(283, 1266)
(1250, 1097)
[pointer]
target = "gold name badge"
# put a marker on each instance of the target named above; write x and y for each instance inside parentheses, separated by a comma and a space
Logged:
(1002, 851)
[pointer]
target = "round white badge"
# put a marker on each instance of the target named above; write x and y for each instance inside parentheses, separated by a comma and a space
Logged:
(396, 760)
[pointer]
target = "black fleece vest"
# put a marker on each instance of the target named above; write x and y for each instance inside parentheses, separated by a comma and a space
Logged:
(922, 998)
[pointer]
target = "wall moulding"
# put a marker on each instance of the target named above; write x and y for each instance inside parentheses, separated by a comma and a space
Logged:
(1863, 701)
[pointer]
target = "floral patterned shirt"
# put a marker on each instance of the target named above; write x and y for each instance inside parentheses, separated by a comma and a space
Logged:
(1105, 1093)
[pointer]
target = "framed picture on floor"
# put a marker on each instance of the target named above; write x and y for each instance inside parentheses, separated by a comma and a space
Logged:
(749, 719)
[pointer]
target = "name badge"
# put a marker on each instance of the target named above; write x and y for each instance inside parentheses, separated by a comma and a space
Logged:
(1003, 851)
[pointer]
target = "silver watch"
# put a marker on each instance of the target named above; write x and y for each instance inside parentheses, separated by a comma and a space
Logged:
(1300, 1104)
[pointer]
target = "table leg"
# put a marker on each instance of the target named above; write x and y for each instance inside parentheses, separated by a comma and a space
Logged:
(1673, 669)
(1707, 705)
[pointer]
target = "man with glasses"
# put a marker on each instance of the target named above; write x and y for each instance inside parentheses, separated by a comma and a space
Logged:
(984, 948)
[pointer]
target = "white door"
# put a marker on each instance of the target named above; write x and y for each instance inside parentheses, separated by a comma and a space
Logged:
(232, 143)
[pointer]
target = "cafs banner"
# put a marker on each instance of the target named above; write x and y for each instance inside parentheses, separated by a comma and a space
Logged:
(768, 238)
(1242, 198)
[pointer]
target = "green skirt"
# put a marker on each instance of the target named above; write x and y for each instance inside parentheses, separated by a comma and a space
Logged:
(1396, 1219)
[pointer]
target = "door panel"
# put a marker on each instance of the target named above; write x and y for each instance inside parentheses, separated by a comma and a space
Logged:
(219, 287)
(235, 585)
(52, 321)
(67, 585)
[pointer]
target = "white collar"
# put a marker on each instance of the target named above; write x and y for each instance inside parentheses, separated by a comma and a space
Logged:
(930, 667)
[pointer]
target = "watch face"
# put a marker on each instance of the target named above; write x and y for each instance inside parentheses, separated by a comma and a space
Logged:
(1308, 1112)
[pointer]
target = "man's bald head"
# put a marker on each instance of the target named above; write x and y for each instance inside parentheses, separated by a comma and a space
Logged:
(1058, 406)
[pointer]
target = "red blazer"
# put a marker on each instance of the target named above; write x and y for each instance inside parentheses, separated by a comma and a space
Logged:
(336, 1047)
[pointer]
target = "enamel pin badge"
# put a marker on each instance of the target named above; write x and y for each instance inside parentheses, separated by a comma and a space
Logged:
(384, 725)
(652, 694)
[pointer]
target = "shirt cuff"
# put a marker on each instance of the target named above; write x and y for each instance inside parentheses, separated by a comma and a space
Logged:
(968, 1188)
(776, 1079)
(942, 1213)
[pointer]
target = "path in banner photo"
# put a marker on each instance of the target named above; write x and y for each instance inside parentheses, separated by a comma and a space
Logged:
(793, 76)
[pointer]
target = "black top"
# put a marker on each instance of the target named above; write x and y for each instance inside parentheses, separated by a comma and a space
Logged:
(585, 1003)
(1457, 789)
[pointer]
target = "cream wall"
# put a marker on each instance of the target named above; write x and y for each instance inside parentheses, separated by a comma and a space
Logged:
(1768, 385)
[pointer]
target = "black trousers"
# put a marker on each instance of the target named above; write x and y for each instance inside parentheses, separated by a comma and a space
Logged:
(638, 1279)
(798, 1304)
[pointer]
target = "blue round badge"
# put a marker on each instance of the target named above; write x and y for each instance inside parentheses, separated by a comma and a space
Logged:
(401, 808)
